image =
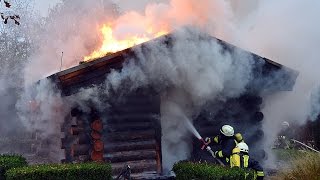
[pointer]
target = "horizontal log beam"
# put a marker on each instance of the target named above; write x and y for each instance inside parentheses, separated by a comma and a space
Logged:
(137, 108)
(133, 117)
(76, 130)
(98, 145)
(95, 135)
(96, 156)
(97, 125)
(83, 138)
(124, 156)
(80, 149)
(112, 127)
(130, 136)
(136, 166)
(122, 146)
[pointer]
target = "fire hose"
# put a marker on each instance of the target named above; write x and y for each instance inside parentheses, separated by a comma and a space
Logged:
(208, 148)
(296, 141)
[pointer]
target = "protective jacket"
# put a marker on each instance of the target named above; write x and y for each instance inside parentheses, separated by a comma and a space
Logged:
(242, 160)
(227, 145)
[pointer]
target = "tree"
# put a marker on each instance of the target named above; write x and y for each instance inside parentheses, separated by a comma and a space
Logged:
(5, 18)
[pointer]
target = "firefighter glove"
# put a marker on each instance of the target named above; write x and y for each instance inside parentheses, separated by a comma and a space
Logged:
(218, 154)
(207, 140)
(216, 139)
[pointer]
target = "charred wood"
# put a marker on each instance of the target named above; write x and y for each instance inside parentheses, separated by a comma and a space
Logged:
(131, 136)
(96, 156)
(75, 130)
(79, 149)
(98, 145)
(95, 135)
(83, 138)
(122, 146)
(97, 125)
(124, 156)
(112, 127)
(136, 166)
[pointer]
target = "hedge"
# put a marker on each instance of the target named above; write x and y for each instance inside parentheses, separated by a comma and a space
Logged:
(83, 171)
(11, 161)
(190, 170)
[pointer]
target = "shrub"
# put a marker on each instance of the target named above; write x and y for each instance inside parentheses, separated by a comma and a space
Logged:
(11, 161)
(84, 171)
(189, 170)
(303, 167)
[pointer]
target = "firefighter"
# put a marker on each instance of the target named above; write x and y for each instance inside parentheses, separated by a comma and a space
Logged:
(240, 158)
(284, 136)
(227, 141)
(238, 138)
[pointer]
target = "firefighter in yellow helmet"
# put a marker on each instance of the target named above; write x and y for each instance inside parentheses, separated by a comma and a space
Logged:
(240, 158)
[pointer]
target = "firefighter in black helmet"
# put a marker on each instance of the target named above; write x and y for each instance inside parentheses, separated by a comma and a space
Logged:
(240, 158)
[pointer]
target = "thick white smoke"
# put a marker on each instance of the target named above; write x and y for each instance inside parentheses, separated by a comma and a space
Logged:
(71, 28)
(286, 32)
(32, 51)
(193, 71)
(188, 73)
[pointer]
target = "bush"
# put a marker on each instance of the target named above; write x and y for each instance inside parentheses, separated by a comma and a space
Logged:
(84, 171)
(88, 171)
(11, 161)
(189, 170)
(303, 167)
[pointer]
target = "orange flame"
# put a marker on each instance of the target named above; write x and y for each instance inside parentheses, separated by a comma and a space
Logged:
(111, 44)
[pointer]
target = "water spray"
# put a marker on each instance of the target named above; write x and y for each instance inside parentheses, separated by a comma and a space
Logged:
(205, 145)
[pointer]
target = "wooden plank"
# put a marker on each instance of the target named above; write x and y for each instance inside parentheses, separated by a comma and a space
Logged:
(96, 156)
(95, 135)
(98, 145)
(80, 149)
(136, 166)
(124, 156)
(122, 146)
(131, 136)
(145, 108)
(83, 138)
(133, 117)
(97, 125)
(113, 127)
(96, 73)
(85, 67)
(75, 130)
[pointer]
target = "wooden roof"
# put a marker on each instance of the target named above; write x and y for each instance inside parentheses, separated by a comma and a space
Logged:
(268, 74)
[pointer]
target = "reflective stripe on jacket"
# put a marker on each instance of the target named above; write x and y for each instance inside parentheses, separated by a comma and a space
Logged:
(242, 160)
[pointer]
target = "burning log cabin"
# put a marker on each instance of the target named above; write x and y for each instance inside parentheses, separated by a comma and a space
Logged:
(129, 132)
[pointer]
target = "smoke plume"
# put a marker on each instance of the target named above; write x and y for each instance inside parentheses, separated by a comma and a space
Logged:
(188, 74)
(286, 32)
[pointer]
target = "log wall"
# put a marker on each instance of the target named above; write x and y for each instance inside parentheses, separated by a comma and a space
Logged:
(132, 136)
(243, 113)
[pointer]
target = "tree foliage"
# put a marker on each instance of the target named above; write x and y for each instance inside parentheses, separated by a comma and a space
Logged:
(5, 18)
